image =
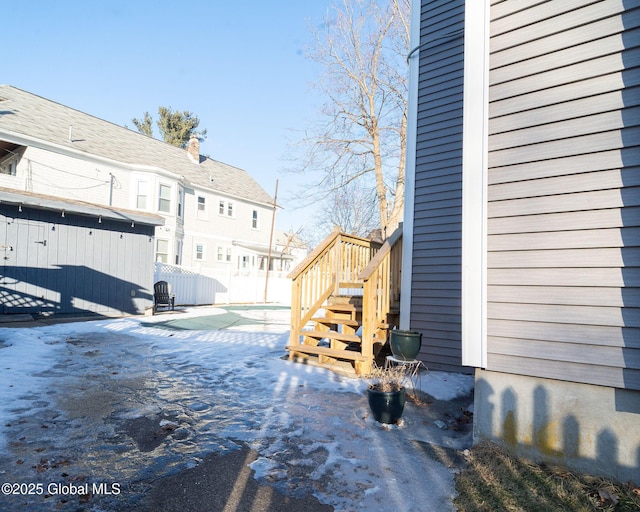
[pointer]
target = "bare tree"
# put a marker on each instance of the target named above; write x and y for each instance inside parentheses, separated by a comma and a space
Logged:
(350, 207)
(361, 135)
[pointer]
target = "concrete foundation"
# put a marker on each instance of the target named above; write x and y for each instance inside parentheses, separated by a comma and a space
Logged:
(590, 429)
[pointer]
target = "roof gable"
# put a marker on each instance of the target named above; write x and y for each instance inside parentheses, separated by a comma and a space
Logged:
(41, 119)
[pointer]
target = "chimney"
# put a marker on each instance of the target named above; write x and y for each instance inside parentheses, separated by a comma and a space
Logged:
(193, 148)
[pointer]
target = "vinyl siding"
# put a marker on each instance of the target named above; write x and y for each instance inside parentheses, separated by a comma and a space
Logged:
(563, 238)
(436, 288)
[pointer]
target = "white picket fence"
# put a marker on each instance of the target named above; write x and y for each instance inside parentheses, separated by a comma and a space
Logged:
(206, 287)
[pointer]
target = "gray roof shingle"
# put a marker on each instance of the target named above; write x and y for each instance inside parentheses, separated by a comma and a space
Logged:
(35, 117)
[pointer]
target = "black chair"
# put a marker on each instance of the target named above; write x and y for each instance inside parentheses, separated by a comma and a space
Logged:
(162, 296)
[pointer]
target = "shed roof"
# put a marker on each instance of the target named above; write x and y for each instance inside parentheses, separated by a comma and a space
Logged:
(45, 121)
(45, 202)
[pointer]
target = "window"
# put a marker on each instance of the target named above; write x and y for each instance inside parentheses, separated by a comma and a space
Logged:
(164, 199)
(254, 220)
(224, 254)
(200, 252)
(225, 208)
(180, 202)
(141, 195)
(162, 250)
(179, 252)
(202, 207)
(9, 166)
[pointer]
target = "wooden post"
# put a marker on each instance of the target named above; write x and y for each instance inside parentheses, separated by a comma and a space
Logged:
(273, 220)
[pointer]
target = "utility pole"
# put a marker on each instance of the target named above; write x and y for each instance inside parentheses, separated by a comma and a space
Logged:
(273, 221)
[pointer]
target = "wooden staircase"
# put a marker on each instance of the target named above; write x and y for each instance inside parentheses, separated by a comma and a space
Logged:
(346, 296)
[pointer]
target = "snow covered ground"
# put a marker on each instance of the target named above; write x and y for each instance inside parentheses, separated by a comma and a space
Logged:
(311, 427)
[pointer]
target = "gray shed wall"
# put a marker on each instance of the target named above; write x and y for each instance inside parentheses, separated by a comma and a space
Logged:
(73, 264)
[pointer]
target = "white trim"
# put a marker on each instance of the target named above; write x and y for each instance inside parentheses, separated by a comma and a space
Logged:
(474, 183)
(410, 170)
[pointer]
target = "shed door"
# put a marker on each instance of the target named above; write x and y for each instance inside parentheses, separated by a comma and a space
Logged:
(25, 275)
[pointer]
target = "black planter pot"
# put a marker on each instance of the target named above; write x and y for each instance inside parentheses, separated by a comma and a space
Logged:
(405, 345)
(386, 406)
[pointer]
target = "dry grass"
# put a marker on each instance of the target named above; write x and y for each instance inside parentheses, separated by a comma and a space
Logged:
(494, 481)
(393, 377)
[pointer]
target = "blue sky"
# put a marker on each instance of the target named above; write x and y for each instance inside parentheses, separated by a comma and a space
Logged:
(239, 66)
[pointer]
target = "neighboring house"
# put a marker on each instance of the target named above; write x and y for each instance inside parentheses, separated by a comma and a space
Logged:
(71, 257)
(522, 224)
(289, 250)
(212, 211)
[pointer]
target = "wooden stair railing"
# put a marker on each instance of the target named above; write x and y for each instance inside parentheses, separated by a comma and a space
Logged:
(321, 281)
(382, 280)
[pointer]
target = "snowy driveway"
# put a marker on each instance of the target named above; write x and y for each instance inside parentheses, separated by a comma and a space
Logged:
(111, 406)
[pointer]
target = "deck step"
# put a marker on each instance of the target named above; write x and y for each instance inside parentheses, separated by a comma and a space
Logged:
(333, 335)
(342, 308)
(325, 351)
(336, 321)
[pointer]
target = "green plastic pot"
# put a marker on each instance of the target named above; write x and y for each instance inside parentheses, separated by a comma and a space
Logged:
(386, 406)
(405, 345)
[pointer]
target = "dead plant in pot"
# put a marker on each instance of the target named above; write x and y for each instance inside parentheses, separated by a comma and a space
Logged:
(391, 377)
(387, 391)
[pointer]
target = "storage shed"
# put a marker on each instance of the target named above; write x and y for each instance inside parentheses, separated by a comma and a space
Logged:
(70, 257)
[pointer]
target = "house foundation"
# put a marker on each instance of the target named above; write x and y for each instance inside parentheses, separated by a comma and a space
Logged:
(587, 428)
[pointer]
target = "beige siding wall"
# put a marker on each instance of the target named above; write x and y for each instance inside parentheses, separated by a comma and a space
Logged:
(564, 191)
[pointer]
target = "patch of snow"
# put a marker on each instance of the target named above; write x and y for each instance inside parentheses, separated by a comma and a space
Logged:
(296, 416)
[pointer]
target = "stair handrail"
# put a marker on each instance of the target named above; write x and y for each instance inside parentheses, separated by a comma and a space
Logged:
(322, 272)
(381, 288)
(385, 249)
(313, 256)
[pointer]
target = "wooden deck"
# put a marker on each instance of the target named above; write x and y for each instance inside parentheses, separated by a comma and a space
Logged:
(346, 296)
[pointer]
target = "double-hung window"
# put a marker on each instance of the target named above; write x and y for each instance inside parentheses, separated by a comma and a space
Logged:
(162, 250)
(225, 208)
(201, 211)
(164, 198)
(199, 252)
(142, 195)
(180, 207)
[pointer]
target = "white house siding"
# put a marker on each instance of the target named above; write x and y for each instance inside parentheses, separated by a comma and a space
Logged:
(102, 163)
(73, 177)
(436, 257)
(564, 191)
(214, 230)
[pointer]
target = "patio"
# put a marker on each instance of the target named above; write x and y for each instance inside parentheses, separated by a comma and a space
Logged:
(150, 403)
